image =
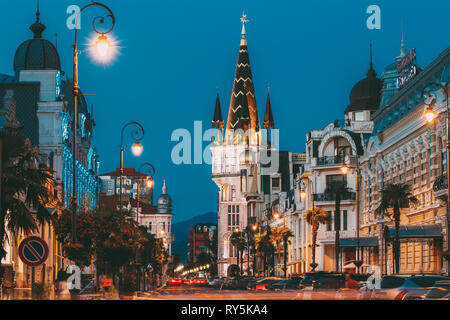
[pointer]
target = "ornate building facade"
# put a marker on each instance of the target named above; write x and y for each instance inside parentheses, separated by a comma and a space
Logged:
(405, 149)
(44, 106)
(238, 158)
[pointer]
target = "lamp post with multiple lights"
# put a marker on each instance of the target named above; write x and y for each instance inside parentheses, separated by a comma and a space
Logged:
(102, 46)
(430, 115)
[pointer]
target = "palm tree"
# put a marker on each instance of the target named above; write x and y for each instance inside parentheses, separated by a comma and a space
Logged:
(337, 190)
(237, 239)
(26, 189)
(264, 247)
(315, 217)
(287, 233)
(250, 236)
(276, 238)
(396, 196)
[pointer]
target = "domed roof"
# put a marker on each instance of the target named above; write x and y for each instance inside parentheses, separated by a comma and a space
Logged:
(366, 93)
(37, 53)
(164, 202)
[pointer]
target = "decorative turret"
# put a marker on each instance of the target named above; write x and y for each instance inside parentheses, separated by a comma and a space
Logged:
(366, 93)
(243, 113)
(36, 53)
(268, 115)
(164, 202)
(217, 120)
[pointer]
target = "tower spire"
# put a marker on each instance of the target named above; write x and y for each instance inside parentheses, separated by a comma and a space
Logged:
(244, 21)
(243, 113)
(371, 73)
(37, 28)
(402, 45)
(37, 12)
(268, 115)
(217, 120)
(164, 188)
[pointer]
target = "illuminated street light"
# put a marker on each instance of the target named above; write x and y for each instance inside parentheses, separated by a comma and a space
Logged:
(344, 169)
(430, 115)
(254, 227)
(103, 45)
(302, 194)
(276, 216)
(137, 149)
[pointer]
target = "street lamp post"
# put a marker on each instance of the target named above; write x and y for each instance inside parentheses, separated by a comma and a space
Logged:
(101, 45)
(148, 185)
(136, 149)
(430, 115)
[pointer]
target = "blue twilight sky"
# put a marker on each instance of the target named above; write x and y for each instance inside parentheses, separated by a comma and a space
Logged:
(175, 53)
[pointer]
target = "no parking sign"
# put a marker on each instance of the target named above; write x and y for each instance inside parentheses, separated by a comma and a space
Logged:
(33, 251)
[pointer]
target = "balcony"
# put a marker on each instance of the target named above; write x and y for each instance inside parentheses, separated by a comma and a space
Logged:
(329, 236)
(440, 188)
(330, 161)
(323, 197)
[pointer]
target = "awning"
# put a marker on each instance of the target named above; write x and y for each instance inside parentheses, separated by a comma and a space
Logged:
(418, 231)
(363, 242)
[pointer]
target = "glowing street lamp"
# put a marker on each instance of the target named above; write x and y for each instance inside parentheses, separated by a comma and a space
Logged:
(137, 149)
(276, 216)
(302, 194)
(76, 94)
(344, 169)
(430, 115)
(254, 227)
(103, 45)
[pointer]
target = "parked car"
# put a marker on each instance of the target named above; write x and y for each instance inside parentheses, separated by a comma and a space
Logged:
(216, 281)
(322, 280)
(439, 291)
(285, 284)
(237, 283)
(398, 287)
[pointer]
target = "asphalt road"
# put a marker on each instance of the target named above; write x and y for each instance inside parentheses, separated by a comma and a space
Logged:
(205, 293)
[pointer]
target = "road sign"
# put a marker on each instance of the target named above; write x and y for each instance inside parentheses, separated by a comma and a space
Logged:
(33, 251)
(149, 268)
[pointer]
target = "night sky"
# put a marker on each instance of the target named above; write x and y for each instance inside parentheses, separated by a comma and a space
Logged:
(175, 53)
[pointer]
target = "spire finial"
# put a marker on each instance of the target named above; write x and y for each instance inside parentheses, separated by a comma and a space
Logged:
(268, 89)
(402, 47)
(371, 73)
(244, 21)
(164, 188)
(37, 12)
(37, 27)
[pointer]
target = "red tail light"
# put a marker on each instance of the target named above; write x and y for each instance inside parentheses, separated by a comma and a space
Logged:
(261, 287)
(401, 295)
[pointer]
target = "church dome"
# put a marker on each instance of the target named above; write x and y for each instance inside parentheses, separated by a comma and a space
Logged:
(164, 202)
(366, 93)
(37, 53)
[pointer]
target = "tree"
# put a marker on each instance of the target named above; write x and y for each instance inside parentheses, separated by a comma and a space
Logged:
(286, 235)
(337, 190)
(237, 239)
(264, 247)
(396, 196)
(276, 238)
(26, 189)
(250, 237)
(315, 217)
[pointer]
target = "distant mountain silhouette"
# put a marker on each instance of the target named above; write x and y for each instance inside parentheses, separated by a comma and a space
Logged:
(181, 231)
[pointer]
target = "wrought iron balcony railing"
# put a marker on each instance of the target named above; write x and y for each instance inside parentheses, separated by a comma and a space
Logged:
(332, 197)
